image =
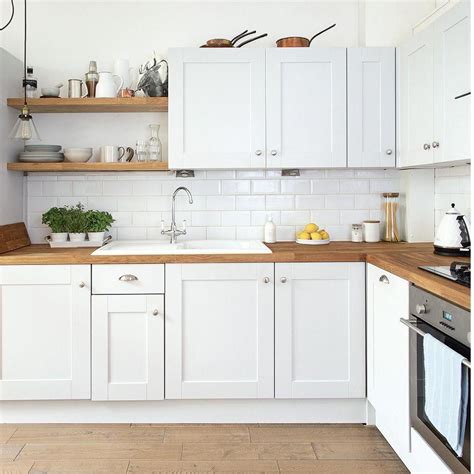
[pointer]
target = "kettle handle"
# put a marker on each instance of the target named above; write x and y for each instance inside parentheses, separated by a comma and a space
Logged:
(465, 237)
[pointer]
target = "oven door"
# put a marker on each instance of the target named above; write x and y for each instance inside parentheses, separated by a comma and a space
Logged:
(419, 420)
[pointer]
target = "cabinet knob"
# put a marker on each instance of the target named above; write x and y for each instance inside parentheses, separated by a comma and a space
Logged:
(155, 312)
(426, 146)
(384, 279)
(388, 151)
(273, 153)
(258, 152)
(435, 144)
(82, 284)
(266, 280)
(128, 277)
(283, 279)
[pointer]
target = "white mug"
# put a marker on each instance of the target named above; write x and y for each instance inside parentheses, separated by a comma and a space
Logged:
(111, 153)
(371, 231)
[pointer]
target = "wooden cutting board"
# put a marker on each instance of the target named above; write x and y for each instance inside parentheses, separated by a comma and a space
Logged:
(13, 236)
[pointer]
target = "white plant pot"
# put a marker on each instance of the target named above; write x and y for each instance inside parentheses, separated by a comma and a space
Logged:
(96, 236)
(58, 236)
(77, 237)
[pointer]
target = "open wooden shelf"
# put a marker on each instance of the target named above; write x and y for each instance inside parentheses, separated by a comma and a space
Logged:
(66, 166)
(116, 104)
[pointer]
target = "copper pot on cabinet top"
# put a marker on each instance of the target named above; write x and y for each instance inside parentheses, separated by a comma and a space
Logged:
(299, 41)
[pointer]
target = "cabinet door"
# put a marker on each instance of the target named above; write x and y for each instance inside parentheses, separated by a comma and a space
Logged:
(452, 66)
(320, 330)
(387, 356)
(371, 107)
(217, 108)
(45, 332)
(417, 109)
(219, 331)
(127, 347)
(306, 107)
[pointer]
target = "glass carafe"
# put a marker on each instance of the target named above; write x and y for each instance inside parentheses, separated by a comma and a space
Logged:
(154, 144)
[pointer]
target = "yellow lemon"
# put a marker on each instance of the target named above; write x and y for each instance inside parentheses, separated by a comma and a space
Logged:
(304, 236)
(316, 236)
(310, 228)
(324, 235)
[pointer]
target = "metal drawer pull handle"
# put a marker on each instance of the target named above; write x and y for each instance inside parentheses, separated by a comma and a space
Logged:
(426, 146)
(384, 279)
(266, 280)
(283, 279)
(155, 312)
(82, 284)
(273, 153)
(410, 325)
(258, 152)
(128, 277)
(435, 144)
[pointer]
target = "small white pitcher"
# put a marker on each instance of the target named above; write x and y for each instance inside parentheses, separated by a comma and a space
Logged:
(106, 86)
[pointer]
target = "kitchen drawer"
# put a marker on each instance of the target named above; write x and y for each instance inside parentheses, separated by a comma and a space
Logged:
(127, 279)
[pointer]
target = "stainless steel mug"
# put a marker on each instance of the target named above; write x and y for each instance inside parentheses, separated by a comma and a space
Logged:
(75, 89)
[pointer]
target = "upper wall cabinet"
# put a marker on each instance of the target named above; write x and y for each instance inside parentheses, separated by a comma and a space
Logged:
(371, 107)
(217, 108)
(306, 107)
(435, 76)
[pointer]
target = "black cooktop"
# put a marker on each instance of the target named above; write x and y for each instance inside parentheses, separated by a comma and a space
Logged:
(460, 272)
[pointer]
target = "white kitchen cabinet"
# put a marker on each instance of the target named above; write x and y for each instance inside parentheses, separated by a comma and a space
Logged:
(388, 356)
(219, 331)
(319, 330)
(217, 108)
(45, 332)
(128, 347)
(452, 124)
(306, 107)
(371, 107)
(435, 69)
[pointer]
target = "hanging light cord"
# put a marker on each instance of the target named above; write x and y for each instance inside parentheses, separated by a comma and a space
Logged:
(24, 59)
(11, 16)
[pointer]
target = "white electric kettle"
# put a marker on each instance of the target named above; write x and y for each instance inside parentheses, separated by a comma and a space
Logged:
(453, 235)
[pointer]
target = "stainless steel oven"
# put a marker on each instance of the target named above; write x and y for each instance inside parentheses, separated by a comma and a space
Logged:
(450, 324)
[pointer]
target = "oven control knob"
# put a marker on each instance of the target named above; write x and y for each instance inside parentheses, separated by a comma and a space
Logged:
(421, 309)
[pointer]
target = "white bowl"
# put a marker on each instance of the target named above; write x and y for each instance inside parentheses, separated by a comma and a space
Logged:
(50, 91)
(78, 155)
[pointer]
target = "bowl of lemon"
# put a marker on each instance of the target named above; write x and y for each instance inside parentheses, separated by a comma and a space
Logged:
(312, 234)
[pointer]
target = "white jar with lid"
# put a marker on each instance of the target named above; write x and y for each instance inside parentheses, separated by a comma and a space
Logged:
(372, 231)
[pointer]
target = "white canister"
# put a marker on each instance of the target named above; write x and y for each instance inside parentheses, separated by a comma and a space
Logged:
(357, 233)
(372, 231)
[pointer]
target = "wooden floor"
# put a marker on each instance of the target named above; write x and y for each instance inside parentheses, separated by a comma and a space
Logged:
(107, 448)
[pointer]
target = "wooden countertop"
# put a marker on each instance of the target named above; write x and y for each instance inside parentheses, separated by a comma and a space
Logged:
(401, 259)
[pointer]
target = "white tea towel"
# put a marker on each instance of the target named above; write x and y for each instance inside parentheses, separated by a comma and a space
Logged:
(446, 391)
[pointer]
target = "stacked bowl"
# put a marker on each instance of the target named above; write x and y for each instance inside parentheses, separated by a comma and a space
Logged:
(41, 154)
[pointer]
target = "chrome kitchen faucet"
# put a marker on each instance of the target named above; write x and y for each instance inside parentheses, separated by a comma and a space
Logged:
(173, 231)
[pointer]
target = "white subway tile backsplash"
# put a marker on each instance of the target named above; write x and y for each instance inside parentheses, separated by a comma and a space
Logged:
(227, 204)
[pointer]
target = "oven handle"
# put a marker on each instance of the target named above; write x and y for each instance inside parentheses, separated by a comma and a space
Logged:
(410, 325)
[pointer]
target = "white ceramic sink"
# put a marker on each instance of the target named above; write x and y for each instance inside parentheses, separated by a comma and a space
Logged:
(160, 247)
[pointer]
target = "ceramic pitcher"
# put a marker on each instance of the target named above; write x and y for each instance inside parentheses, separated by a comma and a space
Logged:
(106, 87)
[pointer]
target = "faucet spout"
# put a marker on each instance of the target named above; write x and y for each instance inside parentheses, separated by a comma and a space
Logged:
(182, 188)
(173, 232)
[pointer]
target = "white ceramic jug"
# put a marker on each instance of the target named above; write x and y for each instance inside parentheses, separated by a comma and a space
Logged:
(106, 87)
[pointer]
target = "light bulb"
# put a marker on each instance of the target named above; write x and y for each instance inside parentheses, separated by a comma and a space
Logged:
(24, 128)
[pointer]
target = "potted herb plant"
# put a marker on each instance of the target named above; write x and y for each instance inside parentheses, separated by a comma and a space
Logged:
(98, 222)
(56, 220)
(76, 220)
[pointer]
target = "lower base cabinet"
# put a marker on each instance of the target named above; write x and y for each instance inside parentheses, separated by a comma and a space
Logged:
(320, 330)
(45, 332)
(219, 331)
(128, 347)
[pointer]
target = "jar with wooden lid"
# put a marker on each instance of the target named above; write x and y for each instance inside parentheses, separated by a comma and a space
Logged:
(391, 206)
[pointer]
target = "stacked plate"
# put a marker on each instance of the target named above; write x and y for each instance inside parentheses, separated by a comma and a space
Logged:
(41, 154)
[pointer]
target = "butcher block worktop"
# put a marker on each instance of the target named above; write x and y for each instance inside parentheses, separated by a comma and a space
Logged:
(401, 259)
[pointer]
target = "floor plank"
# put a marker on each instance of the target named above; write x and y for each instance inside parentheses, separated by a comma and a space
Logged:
(86, 435)
(342, 467)
(370, 450)
(242, 451)
(6, 432)
(142, 450)
(151, 467)
(314, 434)
(80, 466)
(207, 434)
(8, 452)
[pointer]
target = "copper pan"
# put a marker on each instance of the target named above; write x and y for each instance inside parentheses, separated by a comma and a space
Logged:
(299, 41)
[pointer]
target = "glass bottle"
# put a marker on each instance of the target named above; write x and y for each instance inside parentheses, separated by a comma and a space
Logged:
(92, 78)
(391, 209)
(31, 84)
(154, 144)
(142, 151)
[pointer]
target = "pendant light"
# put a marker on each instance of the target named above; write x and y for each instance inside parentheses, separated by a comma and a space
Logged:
(24, 128)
